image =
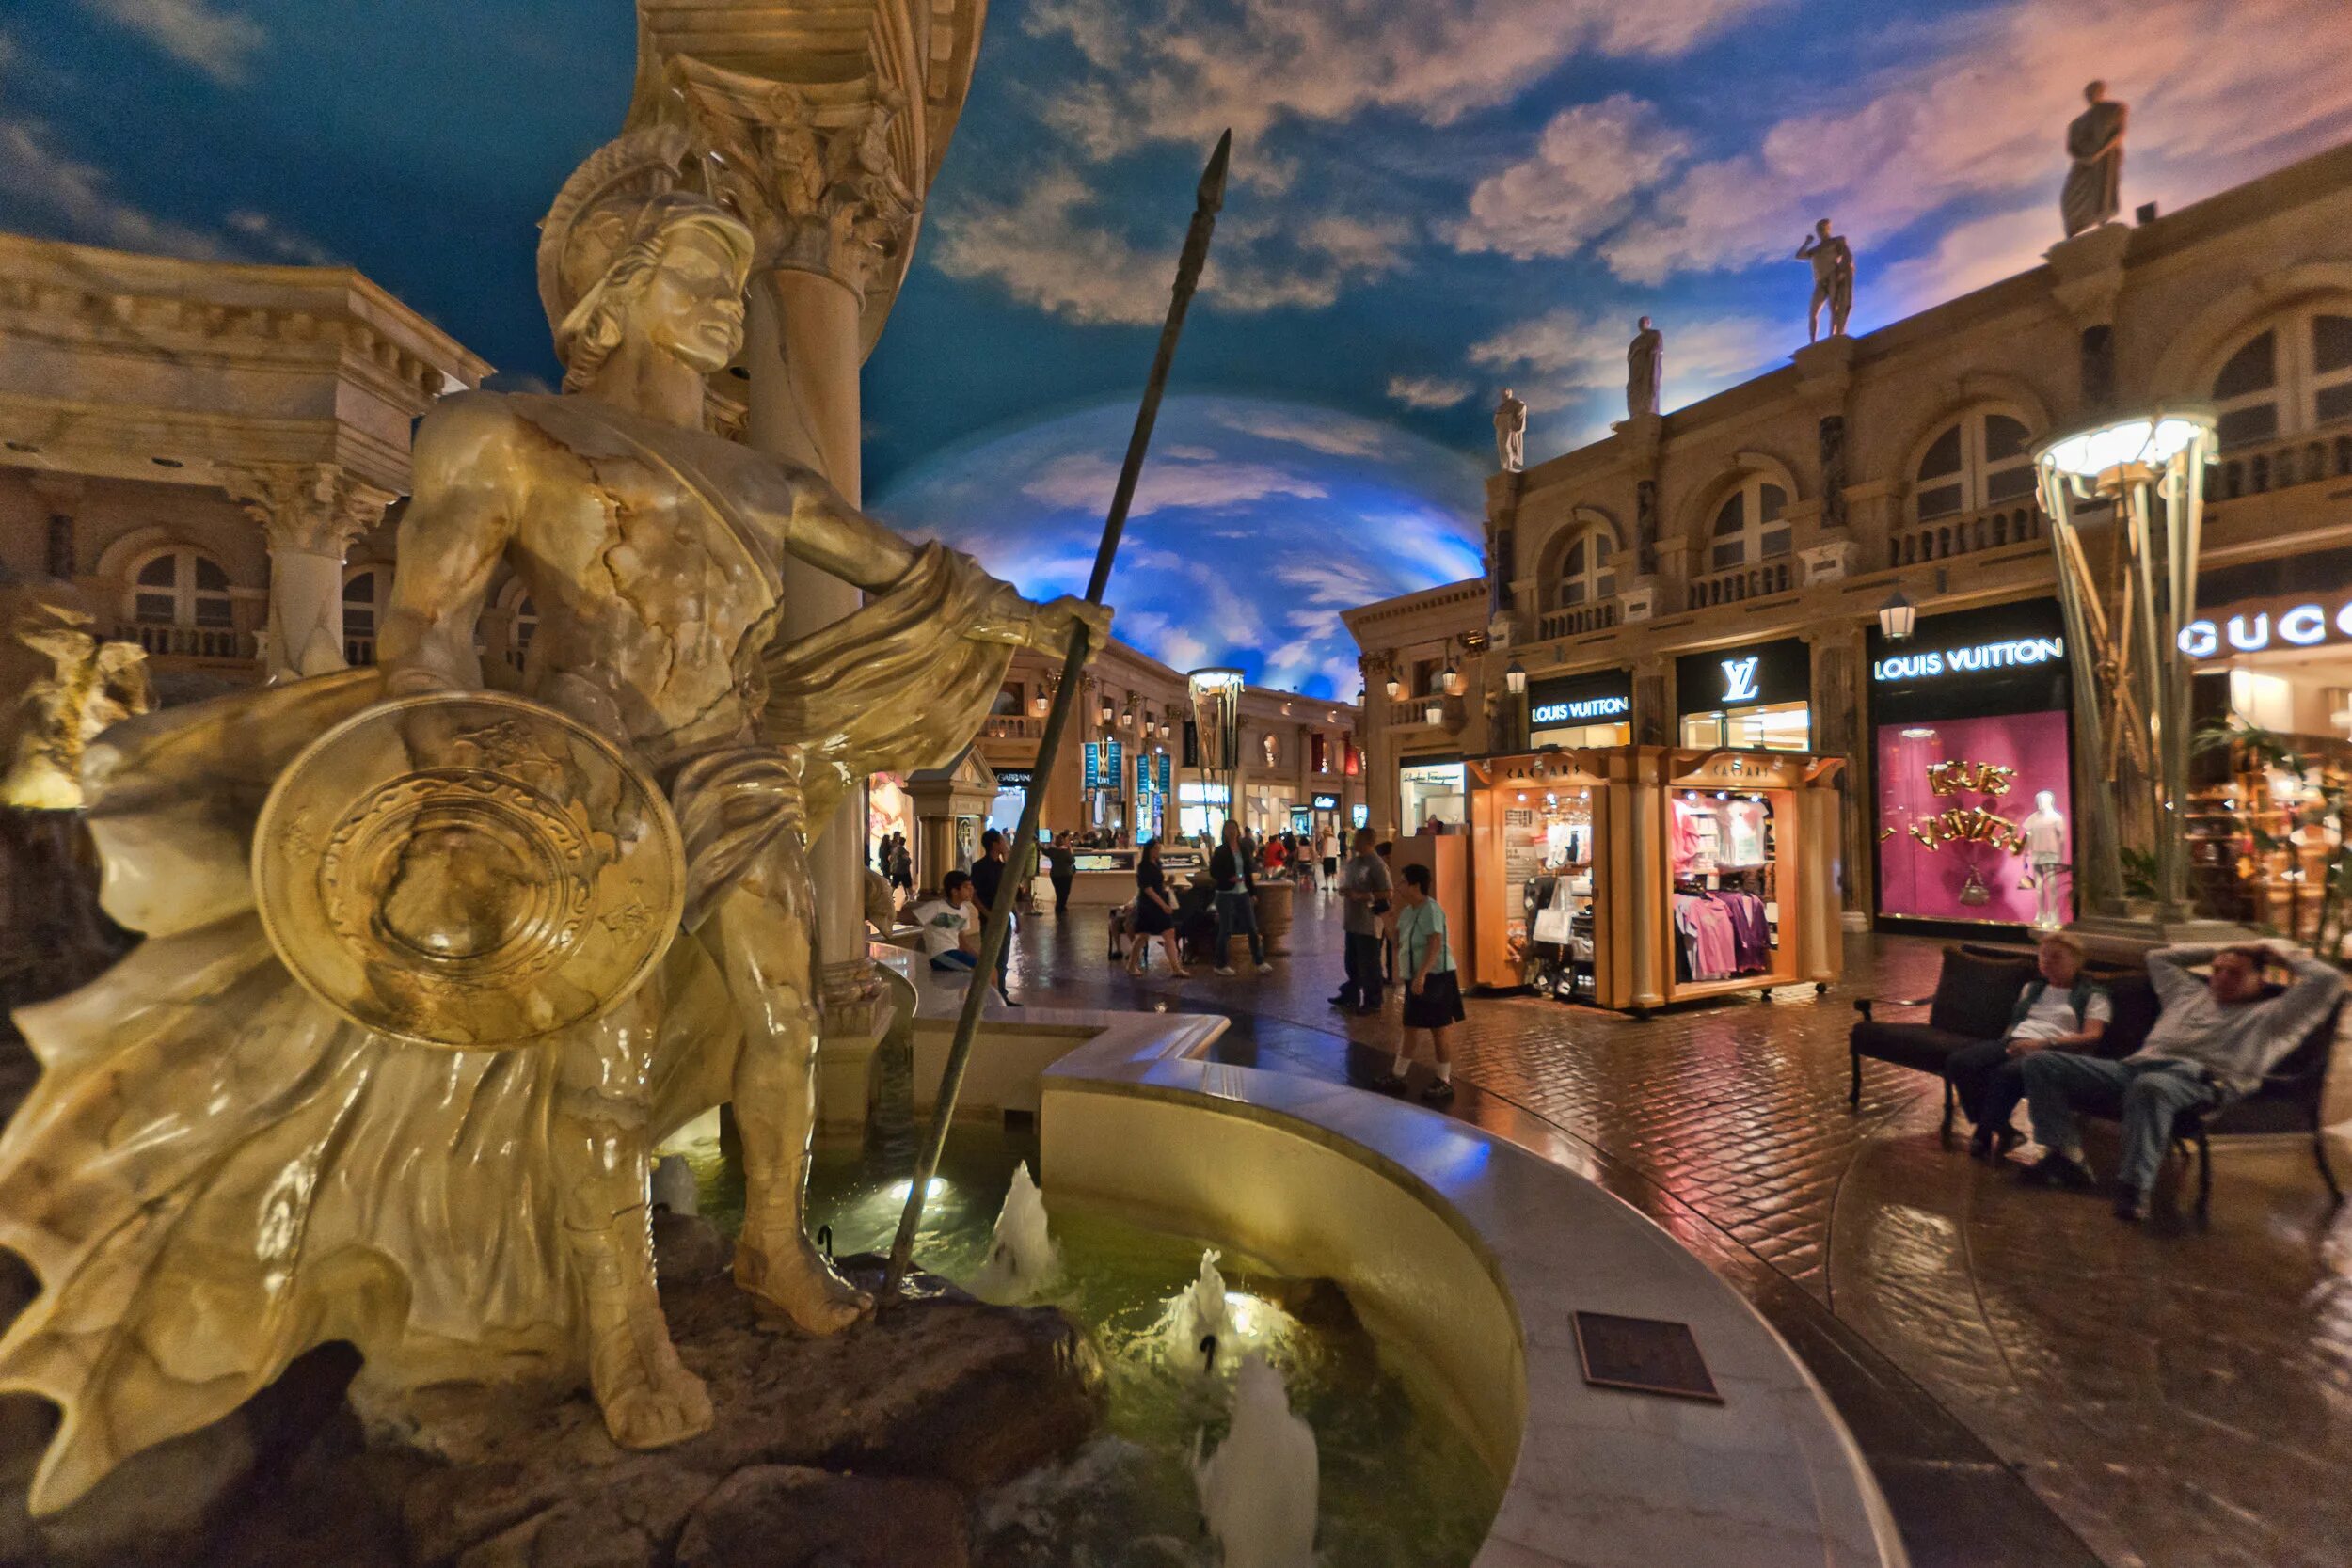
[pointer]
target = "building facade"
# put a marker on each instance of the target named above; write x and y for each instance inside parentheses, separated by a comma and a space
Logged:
(1713, 577)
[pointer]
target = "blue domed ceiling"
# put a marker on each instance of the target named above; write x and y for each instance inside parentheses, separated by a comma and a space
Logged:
(1255, 524)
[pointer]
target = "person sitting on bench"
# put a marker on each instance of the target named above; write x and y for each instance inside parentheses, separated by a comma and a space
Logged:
(2212, 1043)
(2060, 1009)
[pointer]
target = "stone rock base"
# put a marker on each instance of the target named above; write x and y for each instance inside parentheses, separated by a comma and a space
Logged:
(854, 1451)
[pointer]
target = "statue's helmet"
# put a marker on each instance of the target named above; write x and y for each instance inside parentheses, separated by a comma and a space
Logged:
(629, 191)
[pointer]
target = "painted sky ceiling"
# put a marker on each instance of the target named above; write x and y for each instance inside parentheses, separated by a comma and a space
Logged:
(1432, 198)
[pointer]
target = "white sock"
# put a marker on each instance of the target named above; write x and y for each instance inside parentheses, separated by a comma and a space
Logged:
(1403, 1062)
(1445, 1073)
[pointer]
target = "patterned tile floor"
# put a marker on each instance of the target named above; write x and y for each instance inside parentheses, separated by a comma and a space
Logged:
(2167, 1396)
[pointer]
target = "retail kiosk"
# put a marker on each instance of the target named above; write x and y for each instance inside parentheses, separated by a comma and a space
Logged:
(1635, 877)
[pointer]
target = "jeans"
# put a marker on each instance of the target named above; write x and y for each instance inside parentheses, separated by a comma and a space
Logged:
(1362, 988)
(2151, 1094)
(1061, 891)
(954, 958)
(1237, 912)
(1987, 1080)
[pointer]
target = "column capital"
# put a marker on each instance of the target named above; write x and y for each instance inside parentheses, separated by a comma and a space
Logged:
(312, 509)
(818, 181)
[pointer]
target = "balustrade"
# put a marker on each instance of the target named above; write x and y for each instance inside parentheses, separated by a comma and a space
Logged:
(2262, 466)
(2016, 522)
(225, 643)
(1742, 582)
(1574, 620)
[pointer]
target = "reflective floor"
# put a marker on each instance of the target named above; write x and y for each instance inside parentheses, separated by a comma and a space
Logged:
(2033, 1381)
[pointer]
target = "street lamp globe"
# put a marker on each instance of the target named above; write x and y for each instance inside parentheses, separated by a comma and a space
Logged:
(1896, 616)
(1515, 678)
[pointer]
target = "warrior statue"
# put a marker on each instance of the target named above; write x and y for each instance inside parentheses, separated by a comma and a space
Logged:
(1832, 280)
(390, 1064)
(2093, 193)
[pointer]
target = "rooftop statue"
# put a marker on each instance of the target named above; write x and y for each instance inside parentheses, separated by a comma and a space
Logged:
(1832, 280)
(430, 971)
(1644, 370)
(2093, 193)
(1510, 433)
(90, 684)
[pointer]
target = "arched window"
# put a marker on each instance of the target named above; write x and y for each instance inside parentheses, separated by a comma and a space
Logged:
(1983, 460)
(1585, 574)
(180, 588)
(366, 591)
(2293, 376)
(1748, 527)
(518, 635)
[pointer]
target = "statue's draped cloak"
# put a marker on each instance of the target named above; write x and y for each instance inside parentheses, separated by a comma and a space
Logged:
(216, 1171)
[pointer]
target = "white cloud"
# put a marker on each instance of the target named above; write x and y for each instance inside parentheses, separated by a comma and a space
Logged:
(220, 44)
(1971, 255)
(80, 199)
(1428, 391)
(269, 237)
(1564, 356)
(1045, 249)
(1980, 111)
(1334, 434)
(1085, 480)
(1183, 74)
(1580, 181)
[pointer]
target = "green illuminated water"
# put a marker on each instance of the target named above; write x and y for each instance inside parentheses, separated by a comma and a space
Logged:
(1401, 1487)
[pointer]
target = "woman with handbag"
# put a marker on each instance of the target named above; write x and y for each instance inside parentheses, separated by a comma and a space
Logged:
(1154, 914)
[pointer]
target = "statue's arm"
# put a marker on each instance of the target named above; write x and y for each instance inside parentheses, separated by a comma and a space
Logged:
(1805, 251)
(828, 533)
(457, 529)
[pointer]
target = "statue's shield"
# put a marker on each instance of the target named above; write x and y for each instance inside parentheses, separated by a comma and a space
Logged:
(468, 870)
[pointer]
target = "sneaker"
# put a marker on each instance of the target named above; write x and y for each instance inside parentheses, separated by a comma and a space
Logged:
(1225, 969)
(2055, 1169)
(1439, 1093)
(1265, 969)
(1388, 1083)
(2131, 1205)
(1992, 1143)
(1343, 1002)
(1368, 1009)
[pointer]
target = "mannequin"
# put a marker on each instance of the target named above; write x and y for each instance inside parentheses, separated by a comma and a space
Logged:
(2045, 833)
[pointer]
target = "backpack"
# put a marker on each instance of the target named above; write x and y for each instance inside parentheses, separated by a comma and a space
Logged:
(2078, 997)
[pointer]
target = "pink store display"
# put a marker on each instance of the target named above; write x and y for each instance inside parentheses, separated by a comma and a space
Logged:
(1962, 853)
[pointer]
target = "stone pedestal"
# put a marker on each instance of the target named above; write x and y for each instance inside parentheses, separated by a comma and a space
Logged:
(1274, 915)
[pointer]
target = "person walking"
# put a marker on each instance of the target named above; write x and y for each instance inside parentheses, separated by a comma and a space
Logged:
(902, 866)
(1328, 851)
(1155, 914)
(987, 885)
(1062, 862)
(1236, 911)
(1433, 994)
(1365, 886)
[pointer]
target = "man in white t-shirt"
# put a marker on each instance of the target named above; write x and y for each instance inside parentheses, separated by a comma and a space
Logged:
(949, 924)
(2059, 1011)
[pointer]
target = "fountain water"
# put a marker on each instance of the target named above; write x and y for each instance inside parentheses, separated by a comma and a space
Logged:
(674, 1186)
(1022, 1257)
(1259, 1491)
(1202, 1321)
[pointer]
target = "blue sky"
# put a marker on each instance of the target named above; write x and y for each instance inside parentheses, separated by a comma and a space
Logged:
(1432, 198)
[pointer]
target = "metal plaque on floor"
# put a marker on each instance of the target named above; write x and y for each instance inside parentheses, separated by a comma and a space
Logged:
(1648, 1356)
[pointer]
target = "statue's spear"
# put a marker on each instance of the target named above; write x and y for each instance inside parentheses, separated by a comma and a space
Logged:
(994, 933)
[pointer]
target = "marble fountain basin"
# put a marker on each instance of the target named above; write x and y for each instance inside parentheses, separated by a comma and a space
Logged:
(1473, 1253)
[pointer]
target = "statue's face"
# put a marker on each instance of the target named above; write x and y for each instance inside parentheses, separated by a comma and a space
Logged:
(693, 307)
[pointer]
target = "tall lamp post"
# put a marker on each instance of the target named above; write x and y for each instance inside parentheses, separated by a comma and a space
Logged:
(2151, 469)
(1216, 694)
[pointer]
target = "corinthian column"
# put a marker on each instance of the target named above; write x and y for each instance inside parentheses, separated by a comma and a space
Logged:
(310, 513)
(818, 183)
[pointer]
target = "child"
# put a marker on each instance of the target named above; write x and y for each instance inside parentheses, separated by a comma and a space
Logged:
(1433, 995)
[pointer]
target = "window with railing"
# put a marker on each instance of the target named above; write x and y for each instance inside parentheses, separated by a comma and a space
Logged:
(182, 588)
(1980, 460)
(365, 590)
(1586, 573)
(2292, 375)
(1749, 525)
(519, 639)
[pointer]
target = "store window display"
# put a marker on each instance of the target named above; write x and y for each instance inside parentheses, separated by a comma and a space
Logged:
(1726, 909)
(1431, 793)
(1548, 880)
(1953, 844)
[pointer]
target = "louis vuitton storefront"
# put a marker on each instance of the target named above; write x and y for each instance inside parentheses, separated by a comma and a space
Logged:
(1757, 698)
